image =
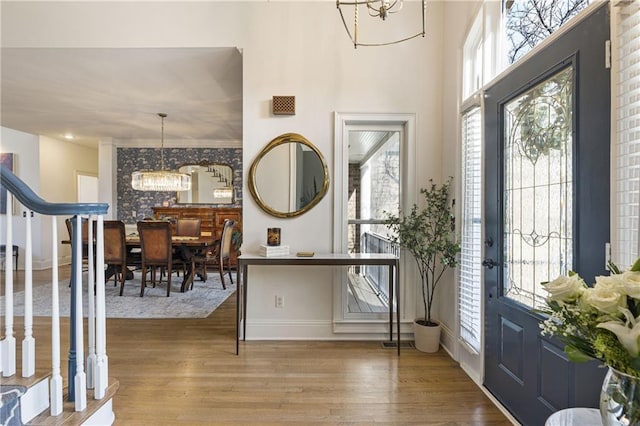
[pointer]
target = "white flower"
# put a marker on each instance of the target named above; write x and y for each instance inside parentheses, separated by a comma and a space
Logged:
(630, 282)
(565, 289)
(613, 282)
(605, 299)
(627, 333)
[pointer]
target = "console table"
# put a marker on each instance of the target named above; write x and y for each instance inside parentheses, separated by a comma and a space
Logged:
(323, 259)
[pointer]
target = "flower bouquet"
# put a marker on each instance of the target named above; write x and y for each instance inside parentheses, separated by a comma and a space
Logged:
(601, 322)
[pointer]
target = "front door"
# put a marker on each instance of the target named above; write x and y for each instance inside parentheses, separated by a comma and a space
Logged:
(547, 133)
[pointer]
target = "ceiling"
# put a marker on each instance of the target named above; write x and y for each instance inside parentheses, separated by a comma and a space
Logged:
(116, 93)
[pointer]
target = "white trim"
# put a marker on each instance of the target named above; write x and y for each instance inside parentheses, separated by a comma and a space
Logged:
(177, 143)
(317, 330)
(34, 401)
(499, 406)
(103, 416)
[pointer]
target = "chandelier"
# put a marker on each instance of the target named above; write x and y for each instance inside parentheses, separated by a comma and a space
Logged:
(377, 9)
(160, 180)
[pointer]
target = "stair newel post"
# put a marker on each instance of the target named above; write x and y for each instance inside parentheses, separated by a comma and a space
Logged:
(80, 378)
(28, 343)
(9, 342)
(91, 314)
(101, 372)
(55, 385)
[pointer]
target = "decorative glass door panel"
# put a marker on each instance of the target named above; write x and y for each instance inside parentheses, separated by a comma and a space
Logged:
(538, 203)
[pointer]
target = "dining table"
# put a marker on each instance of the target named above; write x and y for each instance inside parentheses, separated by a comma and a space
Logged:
(189, 245)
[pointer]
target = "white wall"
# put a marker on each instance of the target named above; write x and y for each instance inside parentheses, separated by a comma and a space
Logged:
(291, 48)
(25, 148)
(60, 162)
(49, 167)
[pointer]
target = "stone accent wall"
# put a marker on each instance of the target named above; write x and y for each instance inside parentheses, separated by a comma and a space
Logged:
(131, 159)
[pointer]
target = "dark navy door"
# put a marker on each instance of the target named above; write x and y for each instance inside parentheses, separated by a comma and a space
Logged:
(547, 133)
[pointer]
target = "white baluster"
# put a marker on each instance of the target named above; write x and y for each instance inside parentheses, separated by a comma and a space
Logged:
(55, 386)
(9, 342)
(28, 343)
(101, 373)
(80, 379)
(91, 315)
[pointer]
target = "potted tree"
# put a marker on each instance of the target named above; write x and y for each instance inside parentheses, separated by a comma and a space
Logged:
(428, 233)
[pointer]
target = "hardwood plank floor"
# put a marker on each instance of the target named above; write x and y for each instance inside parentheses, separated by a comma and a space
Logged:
(184, 371)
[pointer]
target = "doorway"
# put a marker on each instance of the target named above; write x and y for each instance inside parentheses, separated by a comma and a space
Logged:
(371, 175)
(87, 187)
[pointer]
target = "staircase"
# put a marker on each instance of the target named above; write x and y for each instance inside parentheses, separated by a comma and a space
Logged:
(38, 394)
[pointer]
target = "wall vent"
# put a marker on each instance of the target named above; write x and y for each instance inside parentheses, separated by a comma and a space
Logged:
(284, 105)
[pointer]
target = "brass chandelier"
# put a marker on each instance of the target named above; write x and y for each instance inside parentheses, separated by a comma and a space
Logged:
(160, 180)
(378, 9)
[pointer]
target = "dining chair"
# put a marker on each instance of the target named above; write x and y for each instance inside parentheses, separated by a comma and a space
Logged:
(156, 251)
(84, 236)
(188, 227)
(115, 250)
(220, 254)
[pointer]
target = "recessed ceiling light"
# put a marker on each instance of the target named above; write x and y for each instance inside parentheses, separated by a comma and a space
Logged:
(68, 136)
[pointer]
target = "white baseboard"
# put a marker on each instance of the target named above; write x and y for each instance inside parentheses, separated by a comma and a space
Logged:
(318, 330)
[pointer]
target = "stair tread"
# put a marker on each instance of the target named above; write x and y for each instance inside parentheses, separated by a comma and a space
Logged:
(69, 415)
(40, 374)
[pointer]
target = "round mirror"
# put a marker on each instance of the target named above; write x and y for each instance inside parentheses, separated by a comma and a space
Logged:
(289, 176)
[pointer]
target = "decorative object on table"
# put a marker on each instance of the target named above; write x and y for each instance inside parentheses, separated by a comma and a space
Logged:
(160, 180)
(378, 9)
(429, 235)
(273, 236)
(305, 254)
(603, 323)
(273, 251)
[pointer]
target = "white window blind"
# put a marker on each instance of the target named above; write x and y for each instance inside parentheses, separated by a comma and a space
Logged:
(470, 294)
(625, 249)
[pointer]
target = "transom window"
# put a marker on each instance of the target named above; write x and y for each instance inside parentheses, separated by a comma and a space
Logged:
(528, 22)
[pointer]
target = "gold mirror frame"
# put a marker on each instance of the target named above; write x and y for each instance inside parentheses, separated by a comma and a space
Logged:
(281, 140)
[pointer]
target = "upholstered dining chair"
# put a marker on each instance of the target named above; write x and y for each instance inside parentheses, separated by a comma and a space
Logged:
(115, 250)
(156, 250)
(188, 227)
(221, 254)
(84, 235)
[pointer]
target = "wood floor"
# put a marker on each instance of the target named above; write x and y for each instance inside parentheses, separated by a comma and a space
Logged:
(184, 371)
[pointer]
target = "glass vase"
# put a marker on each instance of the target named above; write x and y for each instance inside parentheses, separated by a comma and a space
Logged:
(620, 399)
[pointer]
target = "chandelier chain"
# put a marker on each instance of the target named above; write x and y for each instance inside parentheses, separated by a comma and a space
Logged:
(382, 11)
(162, 117)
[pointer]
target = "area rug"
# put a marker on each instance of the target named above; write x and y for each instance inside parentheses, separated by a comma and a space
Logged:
(197, 303)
